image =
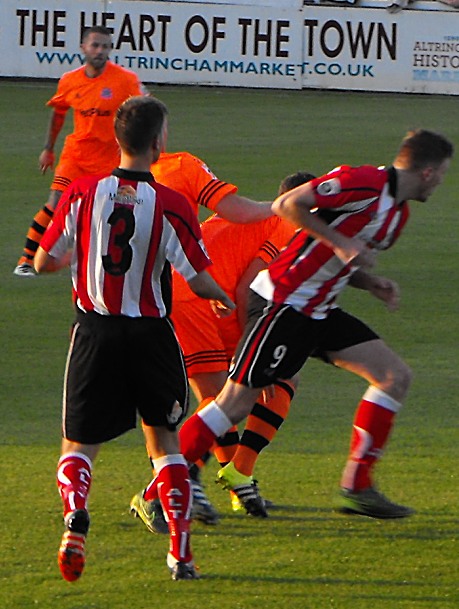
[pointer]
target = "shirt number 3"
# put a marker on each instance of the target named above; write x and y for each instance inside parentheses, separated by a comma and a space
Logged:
(118, 258)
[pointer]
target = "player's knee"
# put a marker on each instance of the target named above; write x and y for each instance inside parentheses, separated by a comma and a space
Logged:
(401, 379)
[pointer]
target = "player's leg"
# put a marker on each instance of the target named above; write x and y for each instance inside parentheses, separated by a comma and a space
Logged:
(74, 469)
(173, 486)
(263, 423)
(35, 232)
(74, 472)
(206, 362)
(160, 388)
(199, 432)
(209, 385)
(270, 350)
(96, 408)
(66, 171)
(389, 379)
(205, 386)
(202, 337)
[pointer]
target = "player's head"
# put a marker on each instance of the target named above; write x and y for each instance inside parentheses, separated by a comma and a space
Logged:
(96, 44)
(426, 156)
(141, 126)
(293, 180)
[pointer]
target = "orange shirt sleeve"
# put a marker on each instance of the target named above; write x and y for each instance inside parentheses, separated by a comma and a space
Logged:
(282, 232)
(191, 177)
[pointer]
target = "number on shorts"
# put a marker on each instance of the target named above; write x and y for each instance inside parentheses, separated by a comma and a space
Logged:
(278, 355)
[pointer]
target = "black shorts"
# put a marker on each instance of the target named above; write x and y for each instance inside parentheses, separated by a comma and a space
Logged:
(278, 340)
(118, 367)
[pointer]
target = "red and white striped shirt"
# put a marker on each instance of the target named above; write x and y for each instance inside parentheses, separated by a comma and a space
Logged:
(356, 201)
(125, 231)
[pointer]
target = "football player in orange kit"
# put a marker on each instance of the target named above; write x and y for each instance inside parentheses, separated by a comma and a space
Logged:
(94, 92)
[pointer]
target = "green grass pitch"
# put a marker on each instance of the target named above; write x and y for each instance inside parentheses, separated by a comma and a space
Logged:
(304, 556)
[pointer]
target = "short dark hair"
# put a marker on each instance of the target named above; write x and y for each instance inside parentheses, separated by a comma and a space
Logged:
(421, 148)
(96, 29)
(139, 122)
(293, 180)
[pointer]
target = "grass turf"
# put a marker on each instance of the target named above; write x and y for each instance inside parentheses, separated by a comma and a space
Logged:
(304, 556)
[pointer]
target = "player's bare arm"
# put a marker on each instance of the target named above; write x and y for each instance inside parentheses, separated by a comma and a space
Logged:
(45, 263)
(205, 286)
(383, 288)
(242, 289)
(241, 210)
(46, 158)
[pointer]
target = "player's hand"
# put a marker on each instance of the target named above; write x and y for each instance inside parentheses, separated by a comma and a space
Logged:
(386, 290)
(45, 160)
(222, 309)
(356, 252)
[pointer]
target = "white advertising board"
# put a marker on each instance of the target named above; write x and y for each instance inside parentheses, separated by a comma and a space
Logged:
(164, 42)
(373, 50)
(314, 46)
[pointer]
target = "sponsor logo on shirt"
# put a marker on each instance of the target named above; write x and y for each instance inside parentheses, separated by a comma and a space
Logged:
(94, 112)
(126, 195)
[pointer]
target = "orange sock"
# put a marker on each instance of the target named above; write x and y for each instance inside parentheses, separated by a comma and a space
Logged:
(262, 425)
(225, 447)
(35, 233)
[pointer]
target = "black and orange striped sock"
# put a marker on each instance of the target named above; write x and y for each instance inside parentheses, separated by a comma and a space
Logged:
(225, 447)
(262, 425)
(35, 233)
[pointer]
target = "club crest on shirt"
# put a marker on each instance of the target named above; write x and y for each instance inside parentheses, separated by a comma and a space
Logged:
(106, 93)
(329, 187)
(175, 414)
(127, 195)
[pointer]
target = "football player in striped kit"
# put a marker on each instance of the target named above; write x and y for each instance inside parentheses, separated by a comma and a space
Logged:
(346, 215)
(121, 233)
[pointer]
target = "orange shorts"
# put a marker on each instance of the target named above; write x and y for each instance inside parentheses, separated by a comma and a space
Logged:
(208, 342)
(71, 166)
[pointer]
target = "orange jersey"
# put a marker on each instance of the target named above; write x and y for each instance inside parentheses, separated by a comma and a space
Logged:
(192, 178)
(94, 102)
(232, 247)
(209, 343)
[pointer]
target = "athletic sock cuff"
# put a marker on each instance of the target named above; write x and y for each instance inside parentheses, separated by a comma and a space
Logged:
(78, 455)
(379, 397)
(161, 462)
(215, 419)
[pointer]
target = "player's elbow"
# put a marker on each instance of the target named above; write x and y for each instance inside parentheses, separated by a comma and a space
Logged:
(42, 261)
(281, 206)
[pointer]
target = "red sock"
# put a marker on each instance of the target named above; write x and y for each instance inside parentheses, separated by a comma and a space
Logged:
(151, 492)
(199, 432)
(74, 481)
(205, 457)
(174, 491)
(372, 425)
